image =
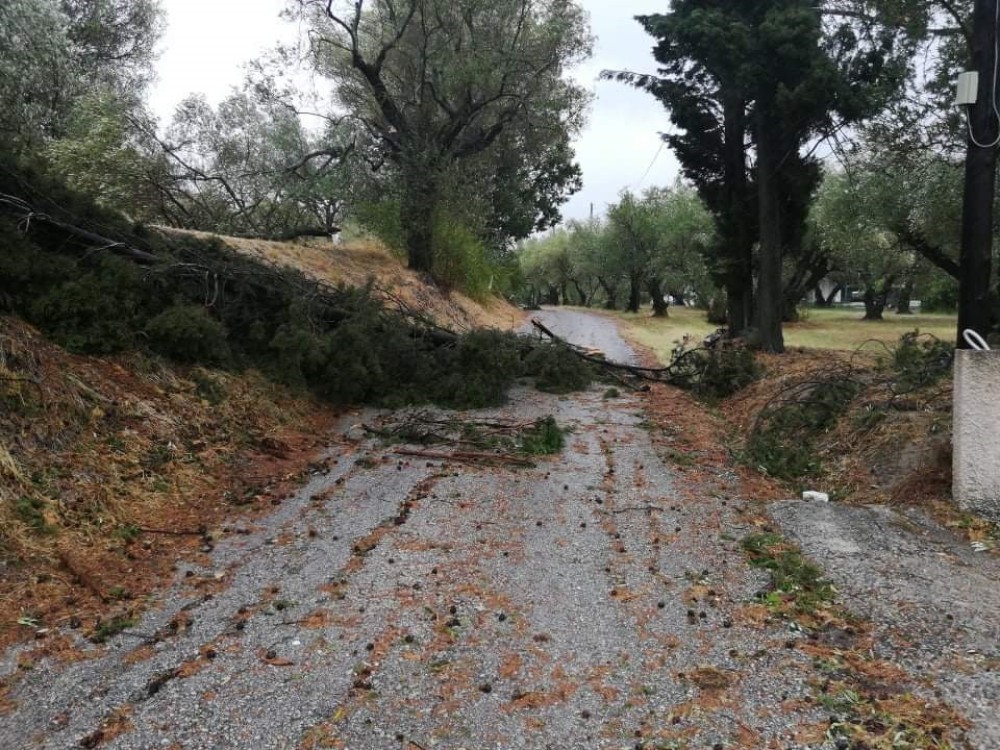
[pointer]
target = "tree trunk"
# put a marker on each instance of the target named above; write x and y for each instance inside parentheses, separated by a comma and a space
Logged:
(584, 302)
(876, 297)
(634, 295)
(874, 304)
(552, 296)
(903, 306)
(769, 301)
(417, 207)
(659, 303)
(611, 303)
(738, 235)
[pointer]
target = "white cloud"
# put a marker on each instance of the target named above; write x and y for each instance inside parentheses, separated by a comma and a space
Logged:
(207, 43)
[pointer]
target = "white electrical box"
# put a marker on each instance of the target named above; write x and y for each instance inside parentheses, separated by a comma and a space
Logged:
(968, 88)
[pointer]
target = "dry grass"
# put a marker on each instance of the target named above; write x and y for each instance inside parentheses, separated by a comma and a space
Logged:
(361, 262)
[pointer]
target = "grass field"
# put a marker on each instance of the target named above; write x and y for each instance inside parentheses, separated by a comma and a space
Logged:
(838, 328)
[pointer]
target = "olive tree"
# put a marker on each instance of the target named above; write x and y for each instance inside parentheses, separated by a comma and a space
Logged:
(440, 83)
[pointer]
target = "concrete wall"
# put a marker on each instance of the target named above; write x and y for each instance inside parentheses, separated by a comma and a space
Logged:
(977, 432)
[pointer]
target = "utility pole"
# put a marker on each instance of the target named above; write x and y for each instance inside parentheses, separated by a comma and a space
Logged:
(976, 256)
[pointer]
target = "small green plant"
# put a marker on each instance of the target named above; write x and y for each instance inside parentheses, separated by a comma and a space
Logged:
(110, 628)
(796, 583)
(128, 532)
(157, 457)
(842, 702)
(611, 393)
(544, 438)
(119, 593)
(207, 387)
(685, 460)
(30, 511)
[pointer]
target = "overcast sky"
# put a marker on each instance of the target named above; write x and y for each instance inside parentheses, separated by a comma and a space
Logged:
(207, 42)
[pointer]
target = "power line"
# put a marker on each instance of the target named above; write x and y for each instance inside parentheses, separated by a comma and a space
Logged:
(650, 167)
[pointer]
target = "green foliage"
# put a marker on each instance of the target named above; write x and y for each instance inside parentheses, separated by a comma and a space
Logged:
(128, 533)
(338, 342)
(795, 581)
(208, 387)
(188, 333)
(460, 258)
(29, 511)
(782, 443)
(470, 106)
(940, 295)
(95, 312)
(107, 629)
(715, 374)
(381, 219)
(262, 180)
(484, 365)
(920, 360)
(557, 369)
(544, 438)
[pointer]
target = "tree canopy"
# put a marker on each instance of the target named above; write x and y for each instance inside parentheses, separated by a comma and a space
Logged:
(441, 83)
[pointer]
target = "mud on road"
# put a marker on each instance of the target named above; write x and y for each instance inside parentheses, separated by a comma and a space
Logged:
(596, 600)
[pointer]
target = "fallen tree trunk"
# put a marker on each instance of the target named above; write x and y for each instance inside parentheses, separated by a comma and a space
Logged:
(27, 213)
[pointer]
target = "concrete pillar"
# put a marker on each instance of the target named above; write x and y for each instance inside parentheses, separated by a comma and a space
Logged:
(977, 432)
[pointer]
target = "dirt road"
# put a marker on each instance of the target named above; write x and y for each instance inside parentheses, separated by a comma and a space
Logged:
(596, 600)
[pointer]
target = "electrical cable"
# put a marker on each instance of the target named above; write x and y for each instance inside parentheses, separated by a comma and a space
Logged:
(996, 79)
(650, 167)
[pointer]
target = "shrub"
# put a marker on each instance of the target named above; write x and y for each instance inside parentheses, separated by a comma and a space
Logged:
(188, 333)
(940, 295)
(381, 219)
(714, 373)
(460, 258)
(920, 360)
(485, 363)
(544, 438)
(95, 312)
(556, 369)
(782, 443)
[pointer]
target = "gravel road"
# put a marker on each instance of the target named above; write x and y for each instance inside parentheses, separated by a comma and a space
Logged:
(593, 601)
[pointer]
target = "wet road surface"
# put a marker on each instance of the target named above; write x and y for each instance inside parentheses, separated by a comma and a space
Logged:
(595, 600)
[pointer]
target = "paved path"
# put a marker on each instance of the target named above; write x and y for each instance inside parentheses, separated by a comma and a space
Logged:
(594, 601)
(586, 329)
